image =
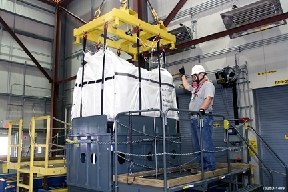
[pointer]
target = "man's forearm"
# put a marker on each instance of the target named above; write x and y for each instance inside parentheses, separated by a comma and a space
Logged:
(206, 103)
(185, 82)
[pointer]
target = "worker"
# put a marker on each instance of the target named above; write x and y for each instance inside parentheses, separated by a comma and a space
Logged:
(203, 92)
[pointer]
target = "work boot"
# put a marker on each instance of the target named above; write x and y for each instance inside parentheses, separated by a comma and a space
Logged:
(195, 171)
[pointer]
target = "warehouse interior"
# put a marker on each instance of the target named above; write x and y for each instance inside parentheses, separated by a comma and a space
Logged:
(92, 98)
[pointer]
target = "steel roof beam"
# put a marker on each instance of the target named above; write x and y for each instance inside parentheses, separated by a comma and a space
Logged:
(10, 31)
(174, 12)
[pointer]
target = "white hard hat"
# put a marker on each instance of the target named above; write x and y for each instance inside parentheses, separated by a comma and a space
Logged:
(197, 69)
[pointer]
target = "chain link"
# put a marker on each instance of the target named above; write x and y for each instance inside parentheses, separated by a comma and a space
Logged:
(152, 50)
(110, 142)
(147, 167)
(221, 149)
(271, 170)
(154, 136)
(63, 122)
(140, 165)
(157, 154)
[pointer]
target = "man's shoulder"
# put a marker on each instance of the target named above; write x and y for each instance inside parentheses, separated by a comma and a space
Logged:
(209, 84)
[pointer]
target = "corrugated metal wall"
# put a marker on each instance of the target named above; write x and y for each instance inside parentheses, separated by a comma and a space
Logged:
(272, 121)
(223, 105)
(184, 127)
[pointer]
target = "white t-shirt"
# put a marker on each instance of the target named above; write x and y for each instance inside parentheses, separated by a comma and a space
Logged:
(197, 99)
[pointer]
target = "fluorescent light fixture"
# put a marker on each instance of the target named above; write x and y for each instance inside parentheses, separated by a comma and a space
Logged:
(251, 13)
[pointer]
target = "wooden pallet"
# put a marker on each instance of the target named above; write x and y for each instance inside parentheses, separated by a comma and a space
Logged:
(139, 177)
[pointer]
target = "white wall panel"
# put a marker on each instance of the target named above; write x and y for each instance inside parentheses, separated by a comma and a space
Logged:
(8, 18)
(3, 103)
(4, 81)
(7, 5)
(256, 64)
(30, 108)
(284, 4)
(33, 27)
(276, 59)
(275, 31)
(6, 38)
(211, 46)
(9, 78)
(41, 50)
(214, 64)
(14, 74)
(5, 52)
(27, 25)
(28, 11)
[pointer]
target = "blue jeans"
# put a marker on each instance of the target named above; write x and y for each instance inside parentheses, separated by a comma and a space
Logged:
(208, 157)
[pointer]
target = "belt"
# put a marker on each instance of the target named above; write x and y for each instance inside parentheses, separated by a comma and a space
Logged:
(196, 116)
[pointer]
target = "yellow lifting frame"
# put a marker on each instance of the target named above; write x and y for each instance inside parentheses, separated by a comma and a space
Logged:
(115, 19)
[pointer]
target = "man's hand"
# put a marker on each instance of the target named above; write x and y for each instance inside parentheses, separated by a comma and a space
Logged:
(182, 71)
(202, 111)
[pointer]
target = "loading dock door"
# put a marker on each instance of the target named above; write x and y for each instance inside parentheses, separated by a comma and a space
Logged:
(272, 121)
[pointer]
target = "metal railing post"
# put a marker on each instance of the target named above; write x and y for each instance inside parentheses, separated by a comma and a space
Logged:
(116, 143)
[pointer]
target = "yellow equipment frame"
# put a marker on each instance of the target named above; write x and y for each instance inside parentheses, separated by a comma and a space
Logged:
(32, 167)
(117, 18)
(10, 165)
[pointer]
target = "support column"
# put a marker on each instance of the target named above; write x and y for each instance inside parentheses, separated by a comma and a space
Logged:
(55, 70)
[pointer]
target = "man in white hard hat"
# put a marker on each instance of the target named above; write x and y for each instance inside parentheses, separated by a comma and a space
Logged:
(203, 92)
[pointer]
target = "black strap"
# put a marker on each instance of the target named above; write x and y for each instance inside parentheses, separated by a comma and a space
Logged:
(122, 74)
(92, 82)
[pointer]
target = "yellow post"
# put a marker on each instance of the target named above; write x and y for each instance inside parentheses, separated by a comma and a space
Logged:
(226, 124)
(4, 168)
(9, 143)
(18, 146)
(246, 125)
(47, 143)
(19, 149)
(32, 150)
(252, 174)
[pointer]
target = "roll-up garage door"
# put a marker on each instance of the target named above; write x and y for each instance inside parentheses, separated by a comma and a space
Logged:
(272, 120)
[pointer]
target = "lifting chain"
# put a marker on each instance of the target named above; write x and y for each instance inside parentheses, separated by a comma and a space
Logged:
(97, 13)
(63, 122)
(154, 13)
(131, 146)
